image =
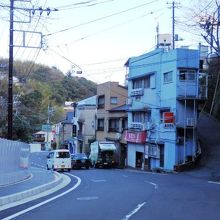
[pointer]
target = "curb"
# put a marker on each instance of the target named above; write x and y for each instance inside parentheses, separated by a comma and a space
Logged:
(31, 192)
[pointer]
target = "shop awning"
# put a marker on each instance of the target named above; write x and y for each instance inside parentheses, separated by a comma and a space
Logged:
(107, 146)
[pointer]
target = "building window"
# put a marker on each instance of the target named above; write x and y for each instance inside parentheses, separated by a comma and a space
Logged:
(101, 101)
(141, 117)
(137, 84)
(189, 75)
(168, 77)
(100, 124)
(114, 100)
(113, 125)
(146, 82)
(124, 123)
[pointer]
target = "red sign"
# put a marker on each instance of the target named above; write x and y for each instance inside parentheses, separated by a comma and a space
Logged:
(135, 137)
(168, 117)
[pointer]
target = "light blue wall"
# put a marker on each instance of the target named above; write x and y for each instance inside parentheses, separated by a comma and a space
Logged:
(154, 163)
(158, 62)
(131, 155)
(169, 156)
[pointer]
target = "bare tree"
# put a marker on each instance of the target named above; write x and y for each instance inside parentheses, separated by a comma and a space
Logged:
(209, 23)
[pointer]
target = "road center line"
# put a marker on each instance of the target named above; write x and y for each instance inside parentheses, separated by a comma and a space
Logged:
(46, 201)
(88, 198)
(97, 181)
(213, 182)
(125, 176)
(130, 214)
(154, 184)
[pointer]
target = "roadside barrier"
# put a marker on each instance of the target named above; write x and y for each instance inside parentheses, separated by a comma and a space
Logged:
(14, 161)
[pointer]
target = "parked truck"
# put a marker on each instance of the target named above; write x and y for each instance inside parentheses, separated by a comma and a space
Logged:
(102, 154)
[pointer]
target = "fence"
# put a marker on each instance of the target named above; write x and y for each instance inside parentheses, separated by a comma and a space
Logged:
(14, 161)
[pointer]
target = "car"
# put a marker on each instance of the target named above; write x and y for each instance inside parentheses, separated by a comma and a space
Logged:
(59, 160)
(80, 160)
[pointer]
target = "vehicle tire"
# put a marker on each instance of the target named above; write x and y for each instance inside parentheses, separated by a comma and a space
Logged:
(53, 168)
(48, 167)
(69, 170)
(87, 167)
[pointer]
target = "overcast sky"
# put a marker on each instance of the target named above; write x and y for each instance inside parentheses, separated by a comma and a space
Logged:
(98, 36)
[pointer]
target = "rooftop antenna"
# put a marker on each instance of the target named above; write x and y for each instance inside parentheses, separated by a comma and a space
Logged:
(157, 35)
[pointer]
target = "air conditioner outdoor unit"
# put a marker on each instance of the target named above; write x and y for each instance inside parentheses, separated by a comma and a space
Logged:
(136, 125)
(190, 122)
(129, 101)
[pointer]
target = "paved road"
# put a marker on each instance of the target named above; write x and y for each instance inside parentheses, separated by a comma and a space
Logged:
(123, 194)
(100, 194)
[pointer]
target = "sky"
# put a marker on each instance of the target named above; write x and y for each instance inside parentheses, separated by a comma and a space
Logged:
(96, 37)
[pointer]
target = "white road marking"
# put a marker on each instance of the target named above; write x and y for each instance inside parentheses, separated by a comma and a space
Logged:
(130, 214)
(154, 184)
(125, 176)
(213, 182)
(88, 198)
(97, 181)
(46, 201)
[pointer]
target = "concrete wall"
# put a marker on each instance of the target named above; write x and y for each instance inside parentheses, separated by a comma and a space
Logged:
(14, 162)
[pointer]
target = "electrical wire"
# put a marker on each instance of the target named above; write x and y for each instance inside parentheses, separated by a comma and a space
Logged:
(82, 4)
(101, 18)
(113, 27)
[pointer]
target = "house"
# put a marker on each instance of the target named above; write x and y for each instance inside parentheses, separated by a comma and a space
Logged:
(164, 92)
(111, 116)
(78, 129)
(64, 133)
(85, 121)
(42, 140)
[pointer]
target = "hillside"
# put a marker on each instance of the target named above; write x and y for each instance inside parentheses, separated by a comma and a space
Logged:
(37, 87)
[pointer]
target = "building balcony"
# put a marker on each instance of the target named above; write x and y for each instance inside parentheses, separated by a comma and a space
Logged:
(189, 123)
(193, 89)
(187, 91)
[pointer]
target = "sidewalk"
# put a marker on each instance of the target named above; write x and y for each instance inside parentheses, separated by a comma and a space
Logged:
(39, 181)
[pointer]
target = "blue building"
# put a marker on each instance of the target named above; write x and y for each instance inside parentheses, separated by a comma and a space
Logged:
(165, 88)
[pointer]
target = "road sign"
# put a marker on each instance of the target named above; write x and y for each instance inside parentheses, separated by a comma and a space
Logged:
(46, 127)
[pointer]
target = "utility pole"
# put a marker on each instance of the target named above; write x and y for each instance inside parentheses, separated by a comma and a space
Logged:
(173, 23)
(11, 55)
(173, 6)
(10, 73)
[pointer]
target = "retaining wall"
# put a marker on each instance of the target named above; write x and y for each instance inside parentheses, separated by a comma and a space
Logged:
(14, 161)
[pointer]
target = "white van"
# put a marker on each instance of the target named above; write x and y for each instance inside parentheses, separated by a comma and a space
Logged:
(59, 160)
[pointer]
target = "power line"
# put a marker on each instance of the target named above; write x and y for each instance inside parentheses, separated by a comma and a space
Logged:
(114, 26)
(82, 4)
(99, 19)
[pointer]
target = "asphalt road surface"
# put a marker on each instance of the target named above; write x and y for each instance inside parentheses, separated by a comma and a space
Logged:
(111, 194)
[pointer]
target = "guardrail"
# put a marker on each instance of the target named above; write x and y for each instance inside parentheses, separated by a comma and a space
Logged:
(14, 161)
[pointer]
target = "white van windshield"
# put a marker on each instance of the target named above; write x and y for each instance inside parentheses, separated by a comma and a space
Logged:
(62, 155)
